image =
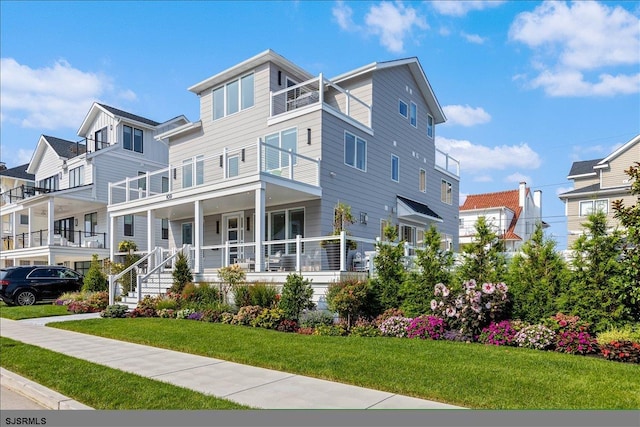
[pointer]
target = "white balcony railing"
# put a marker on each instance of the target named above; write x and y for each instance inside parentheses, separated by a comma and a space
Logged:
(225, 166)
(447, 163)
(320, 91)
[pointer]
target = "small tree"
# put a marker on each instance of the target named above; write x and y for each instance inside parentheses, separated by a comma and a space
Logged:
(230, 277)
(181, 273)
(347, 298)
(389, 269)
(296, 296)
(95, 280)
(483, 259)
(129, 280)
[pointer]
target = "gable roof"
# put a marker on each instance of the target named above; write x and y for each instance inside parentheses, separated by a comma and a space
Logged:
(501, 199)
(63, 148)
(97, 108)
(635, 140)
(583, 168)
(418, 74)
(130, 116)
(19, 172)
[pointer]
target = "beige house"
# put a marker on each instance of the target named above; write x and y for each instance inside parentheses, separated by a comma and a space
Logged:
(597, 183)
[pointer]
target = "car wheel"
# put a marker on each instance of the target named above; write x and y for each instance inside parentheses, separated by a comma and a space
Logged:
(25, 298)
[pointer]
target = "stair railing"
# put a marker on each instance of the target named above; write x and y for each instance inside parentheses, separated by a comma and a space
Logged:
(159, 268)
(113, 278)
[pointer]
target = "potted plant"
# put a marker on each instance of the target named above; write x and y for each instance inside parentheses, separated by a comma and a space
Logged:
(342, 218)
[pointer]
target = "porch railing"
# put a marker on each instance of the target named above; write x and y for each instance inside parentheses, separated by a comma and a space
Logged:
(22, 192)
(40, 238)
(446, 162)
(222, 167)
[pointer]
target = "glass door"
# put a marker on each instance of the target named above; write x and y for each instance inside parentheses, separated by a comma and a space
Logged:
(234, 233)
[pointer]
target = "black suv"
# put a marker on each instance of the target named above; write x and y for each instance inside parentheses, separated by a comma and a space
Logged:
(28, 284)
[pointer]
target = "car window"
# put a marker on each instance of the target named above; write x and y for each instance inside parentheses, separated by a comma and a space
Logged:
(68, 274)
(43, 272)
(3, 273)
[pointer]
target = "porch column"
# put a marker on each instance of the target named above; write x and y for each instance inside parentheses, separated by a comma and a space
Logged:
(29, 230)
(151, 236)
(13, 229)
(258, 227)
(112, 237)
(50, 221)
(198, 235)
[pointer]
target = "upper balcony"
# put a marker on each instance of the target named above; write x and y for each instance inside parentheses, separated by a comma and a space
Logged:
(22, 192)
(320, 92)
(224, 169)
(447, 163)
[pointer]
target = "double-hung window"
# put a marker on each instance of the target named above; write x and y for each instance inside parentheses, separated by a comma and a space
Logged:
(446, 192)
(395, 168)
(355, 151)
(165, 229)
(132, 139)
(592, 206)
(237, 95)
(413, 115)
(76, 177)
(430, 126)
(403, 108)
(282, 142)
(423, 181)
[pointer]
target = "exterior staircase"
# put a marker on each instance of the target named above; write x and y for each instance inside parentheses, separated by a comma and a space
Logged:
(156, 284)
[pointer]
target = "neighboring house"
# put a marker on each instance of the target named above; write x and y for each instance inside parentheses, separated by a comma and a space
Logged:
(596, 184)
(62, 217)
(512, 214)
(276, 148)
(14, 183)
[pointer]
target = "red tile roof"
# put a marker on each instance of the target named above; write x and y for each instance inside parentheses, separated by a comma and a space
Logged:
(508, 199)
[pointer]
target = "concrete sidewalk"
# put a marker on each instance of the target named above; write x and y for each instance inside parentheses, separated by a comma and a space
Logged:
(252, 386)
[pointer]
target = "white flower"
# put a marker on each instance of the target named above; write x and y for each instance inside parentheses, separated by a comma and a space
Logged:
(451, 312)
(445, 291)
(488, 288)
(434, 304)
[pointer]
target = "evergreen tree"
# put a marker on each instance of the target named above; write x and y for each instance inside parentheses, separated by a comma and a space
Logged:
(390, 272)
(296, 296)
(95, 280)
(482, 258)
(181, 273)
(537, 277)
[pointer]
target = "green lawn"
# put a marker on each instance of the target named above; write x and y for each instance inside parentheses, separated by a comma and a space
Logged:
(469, 375)
(99, 386)
(32, 311)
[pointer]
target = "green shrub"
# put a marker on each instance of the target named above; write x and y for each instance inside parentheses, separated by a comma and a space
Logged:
(269, 318)
(241, 295)
(166, 313)
(200, 295)
(296, 296)
(338, 330)
(315, 318)
(181, 273)
(95, 280)
(184, 313)
(115, 311)
(263, 294)
(364, 328)
(347, 298)
(246, 315)
(625, 333)
(166, 303)
(621, 351)
(214, 312)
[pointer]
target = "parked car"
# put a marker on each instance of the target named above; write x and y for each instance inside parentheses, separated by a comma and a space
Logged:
(27, 284)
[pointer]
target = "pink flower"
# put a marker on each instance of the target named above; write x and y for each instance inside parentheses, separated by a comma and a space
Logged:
(434, 304)
(488, 288)
(451, 312)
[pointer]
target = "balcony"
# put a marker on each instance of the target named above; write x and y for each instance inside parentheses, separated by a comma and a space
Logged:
(22, 192)
(39, 238)
(320, 91)
(222, 168)
(447, 163)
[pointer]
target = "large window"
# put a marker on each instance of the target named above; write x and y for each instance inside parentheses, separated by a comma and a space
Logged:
(423, 181)
(285, 224)
(355, 151)
(286, 140)
(90, 223)
(187, 171)
(50, 183)
(132, 139)
(76, 177)
(592, 206)
(101, 139)
(403, 108)
(445, 192)
(234, 96)
(430, 126)
(64, 227)
(395, 168)
(128, 225)
(413, 116)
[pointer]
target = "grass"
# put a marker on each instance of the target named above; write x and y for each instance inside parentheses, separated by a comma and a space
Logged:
(32, 311)
(99, 386)
(469, 375)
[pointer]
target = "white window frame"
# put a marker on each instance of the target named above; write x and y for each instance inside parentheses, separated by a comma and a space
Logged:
(290, 248)
(395, 159)
(356, 141)
(422, 178)
(413, 114)
(225, 101)
(283, 157)
(430, 126)
(76, 176)
(446, 192)
(133, 147)
(401, 104)
(593, 206)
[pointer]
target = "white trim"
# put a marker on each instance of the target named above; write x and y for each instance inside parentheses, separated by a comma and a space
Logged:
(400, 101)
(620, 150)
(398, 158)
(355, 151)
(178, 130)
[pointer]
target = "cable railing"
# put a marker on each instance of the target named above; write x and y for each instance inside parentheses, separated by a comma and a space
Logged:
(38, 238)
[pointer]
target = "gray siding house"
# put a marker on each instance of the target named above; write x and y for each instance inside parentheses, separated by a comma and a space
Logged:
(256, 180)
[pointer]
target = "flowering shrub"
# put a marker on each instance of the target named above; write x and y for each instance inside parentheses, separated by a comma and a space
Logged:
(196, 315)
(562, 322)
(364, 328)
(456, 335)
(337, 330)
(287, 325)
(501, 333)
(473, 308)
(537, 337)
(115, 311)
(426, 327)
(226, 318)
(246, 315)
(395, 326)
(621, 351)
(390, 312)
(269, 318)
(78, 307)
(166, 313)
(573, 342)
(142, 312)
(306, 331)
(184, 313)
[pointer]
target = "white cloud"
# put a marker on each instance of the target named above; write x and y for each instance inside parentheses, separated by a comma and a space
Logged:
(343, 16)
(460, 8)
(24, 156)
(393, 22)
(50, 97)
(570, 40)
(517, 177)
(465, 115)
(473, 38)
(482, 178)
(478, 158)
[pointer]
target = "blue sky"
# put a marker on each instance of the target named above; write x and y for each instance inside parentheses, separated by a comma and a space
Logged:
(527, 87)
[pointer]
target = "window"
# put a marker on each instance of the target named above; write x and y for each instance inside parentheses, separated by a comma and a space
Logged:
(445, 192)
(165, 184)
(64, 227)
(286, 224)
(24, 219)
(395, 168)
(234, 96)
(408, 234)
(355, 151)
(101, 139)
(423, 181)
(165, 228)
(429, 126)
(90, 224)
(233, 166)
(132, 139)
(187, 233)
(128, 225)
(403, 108)
(187, 171)
(592, 206)
(142, 181)
(50, 183)
(76, 177)
(286, 140)
(413, 117)
(199, 169)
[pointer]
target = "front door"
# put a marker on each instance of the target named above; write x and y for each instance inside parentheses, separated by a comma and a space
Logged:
(234, 234)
